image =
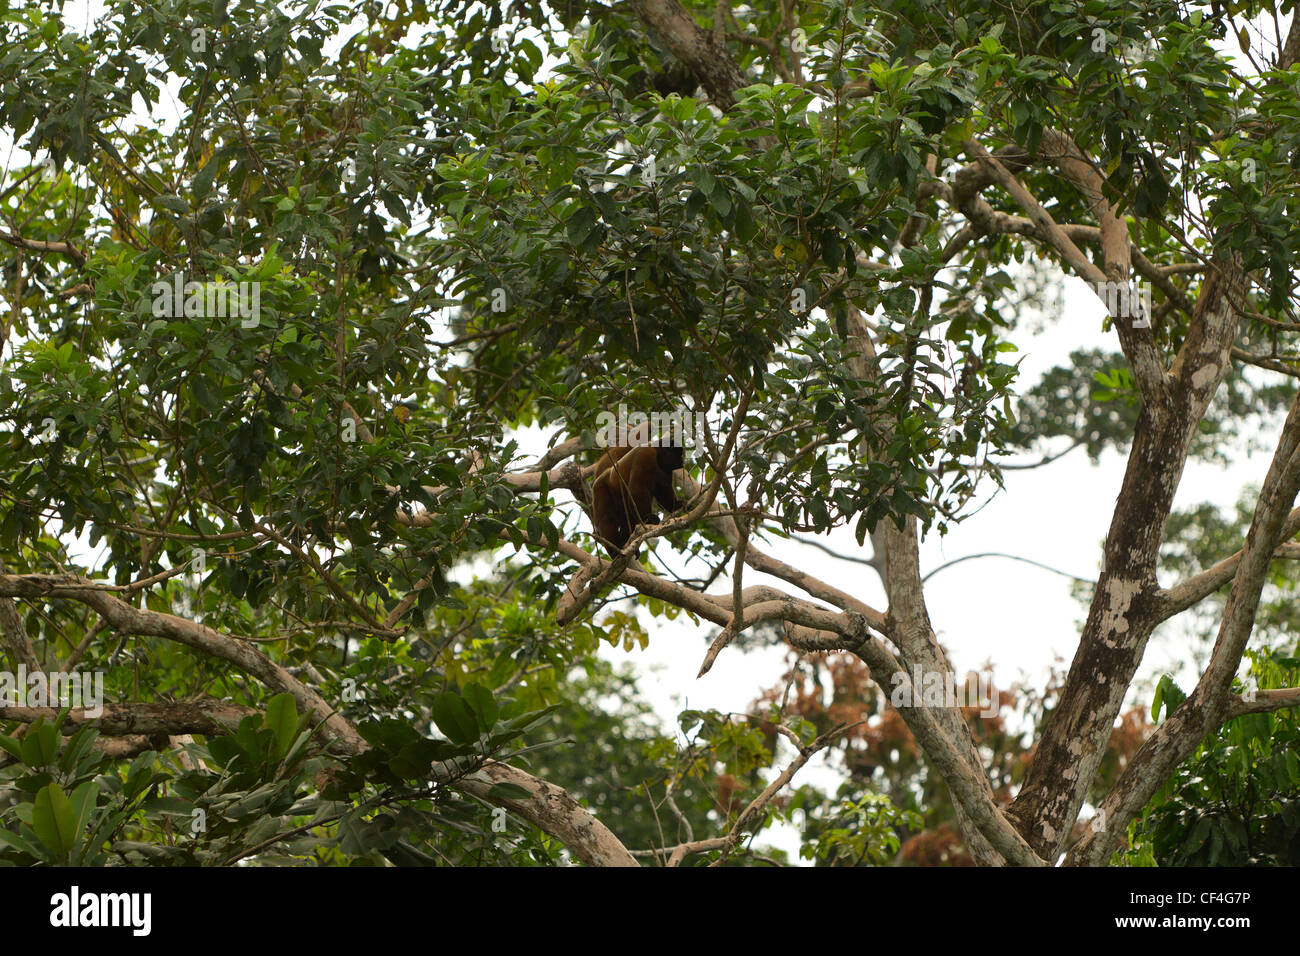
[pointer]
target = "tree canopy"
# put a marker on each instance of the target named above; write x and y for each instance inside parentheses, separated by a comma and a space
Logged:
(292, 290)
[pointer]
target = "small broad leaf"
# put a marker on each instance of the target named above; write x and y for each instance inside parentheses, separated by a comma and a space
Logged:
(55, 820)
(282, 720)
(481, 702)
(454, 718)
(508, 791)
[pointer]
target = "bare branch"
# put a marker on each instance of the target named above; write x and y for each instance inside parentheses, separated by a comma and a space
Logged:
(1273, 363)
(1182, 596)
(1265, 702)
(553, 810)
(42, 245)
(208, 717)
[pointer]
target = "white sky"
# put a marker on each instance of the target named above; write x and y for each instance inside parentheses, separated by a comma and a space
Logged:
(1017, 617)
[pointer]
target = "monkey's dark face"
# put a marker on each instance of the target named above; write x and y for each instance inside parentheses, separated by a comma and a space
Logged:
(672, 457)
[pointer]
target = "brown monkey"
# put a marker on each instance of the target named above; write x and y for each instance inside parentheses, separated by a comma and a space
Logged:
(628, 481)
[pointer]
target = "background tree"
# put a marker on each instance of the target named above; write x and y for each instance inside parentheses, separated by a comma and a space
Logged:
(801, 222)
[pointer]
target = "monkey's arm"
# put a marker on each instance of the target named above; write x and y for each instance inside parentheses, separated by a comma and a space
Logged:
(663, 491)
(608, 515)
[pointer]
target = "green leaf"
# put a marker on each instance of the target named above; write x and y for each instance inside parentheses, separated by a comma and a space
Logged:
(173, 203)
(1196, 838)
(454, 718)
(705, 181)
(746, 228)
(282, 721)
(508, 791)
(84, 800)
(720, 200)
(204, 394)
(224, 750)
(21, 844)
(482, 703)
(54, 819)
(388, 734)
(77, 747)
(41, 745)
(12, 746)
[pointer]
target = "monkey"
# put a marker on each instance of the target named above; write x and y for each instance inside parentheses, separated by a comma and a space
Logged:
(627, 483)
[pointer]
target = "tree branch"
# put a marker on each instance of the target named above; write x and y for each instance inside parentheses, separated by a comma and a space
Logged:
(1180, 597)
(1138, 343)
(129, 620)
(209, 717)
(1208, 705)
(694, 46)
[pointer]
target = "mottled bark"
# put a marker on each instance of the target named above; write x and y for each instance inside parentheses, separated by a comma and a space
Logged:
(1125, 606)
(1209, 704)
(694, 46)
(13, 638)
(554, 811)
(211, 718)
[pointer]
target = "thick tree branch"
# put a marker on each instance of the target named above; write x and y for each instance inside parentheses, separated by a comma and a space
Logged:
(1138, 344)
(965, 777)
(1183, 595)
(694, 46)
(129, 620)
(1209, 704)
(209, 717)
(551, 809)
(1264, 702)
(1126, 603)
(42, 245)
(13, 638)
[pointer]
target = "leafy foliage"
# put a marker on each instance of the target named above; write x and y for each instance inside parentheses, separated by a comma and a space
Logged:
(463, 221)
(1236, 802)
